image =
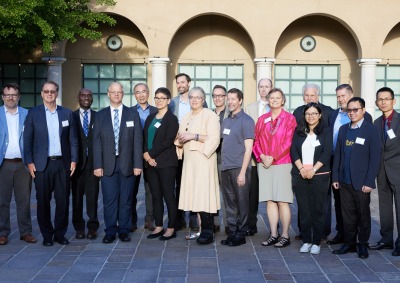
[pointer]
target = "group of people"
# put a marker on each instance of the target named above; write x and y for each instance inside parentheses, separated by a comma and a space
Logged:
(200, 160)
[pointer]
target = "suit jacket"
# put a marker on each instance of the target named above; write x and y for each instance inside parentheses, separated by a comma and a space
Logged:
(326, 112)
(36, 137)
(390, 151)
(364, 158)
(130, 142)
(85, 143)
(152, 110)
(335, 113)
(163, 149)
(4, 131)
(252, 111)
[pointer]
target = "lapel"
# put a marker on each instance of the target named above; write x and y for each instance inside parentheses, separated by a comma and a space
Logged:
(394, 125)
(21, 122)
(3, 119)
(60, 120)
(124, 118)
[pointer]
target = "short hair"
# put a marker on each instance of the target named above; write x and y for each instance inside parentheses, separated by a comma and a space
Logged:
(303, 128)
(199, 89)
(311, 85)
(84, 90)
(385, 89)
(14, 86)
(238, 92)
(183, 75)
(347, 87)
(355, 99)
(219, 86)
(275, 89)
(270, 81)
(117, 83)
(51, 83)
(139, 84)
(163, 90)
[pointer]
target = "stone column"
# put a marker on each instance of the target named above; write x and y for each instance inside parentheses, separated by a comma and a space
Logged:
(264, 69)
(159, 67)
(368, 82)
(54, 73)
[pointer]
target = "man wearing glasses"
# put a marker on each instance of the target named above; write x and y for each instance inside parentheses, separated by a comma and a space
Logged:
(355, 167)
(13, 174)
(388, 179)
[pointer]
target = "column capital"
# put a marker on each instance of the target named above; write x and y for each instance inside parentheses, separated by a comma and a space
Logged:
(159, 60)
(369, 61)
(264, 60)
(54, 60)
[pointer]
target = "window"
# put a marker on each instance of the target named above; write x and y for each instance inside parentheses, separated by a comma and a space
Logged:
(97, 77)
(30, 78)
(209, 75)
(292, 78)
(388, 76)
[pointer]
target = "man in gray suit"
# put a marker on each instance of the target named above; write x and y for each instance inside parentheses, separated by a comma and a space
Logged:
(118, 150)
(388, 179)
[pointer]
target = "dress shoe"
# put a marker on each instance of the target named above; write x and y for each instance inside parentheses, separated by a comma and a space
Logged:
(166, 238)
(381, 246)
(336, 240)
(362, 251)
(156, 235)
(91, 235)
(124, 237)
(205, 238)
(64, 241)
(227, 241)
(28, 238)
(80, 235)
(298, 237)
(3, 240)
(237, 241)
(396, 252)
(47, 242)
(345, 249)
(149, 226)
(108, 239)
(251, 231)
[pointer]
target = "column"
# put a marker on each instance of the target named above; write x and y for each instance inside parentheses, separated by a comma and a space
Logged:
(264, 69)
(368, 82)
(54, 73)
(159, 67)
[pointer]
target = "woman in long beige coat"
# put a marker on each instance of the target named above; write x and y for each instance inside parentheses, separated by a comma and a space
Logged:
(199, 137)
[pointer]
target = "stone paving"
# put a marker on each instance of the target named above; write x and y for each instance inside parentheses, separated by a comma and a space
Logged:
(179, 260)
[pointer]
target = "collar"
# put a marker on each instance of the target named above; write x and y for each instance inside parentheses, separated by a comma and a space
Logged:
(388, 118)
(6, 111)
(119, 108)
(236, 116)
(358, 125)
(139, 107)
(82, 111)
(47, 109)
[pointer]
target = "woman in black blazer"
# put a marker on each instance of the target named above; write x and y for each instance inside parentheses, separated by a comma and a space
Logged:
(159, 133)
(311, 153)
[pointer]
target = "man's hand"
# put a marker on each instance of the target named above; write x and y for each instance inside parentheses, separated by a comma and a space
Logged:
(335, 185)
(98, 172)
(32, 169)
(73, 167)
(366, 189)
(137, 171)
(241, 179)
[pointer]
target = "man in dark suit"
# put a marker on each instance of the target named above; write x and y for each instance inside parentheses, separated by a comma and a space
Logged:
(51, 153)
(143, 109)
(388, 179)
(84, 182)
(117, 159)
(354, 171)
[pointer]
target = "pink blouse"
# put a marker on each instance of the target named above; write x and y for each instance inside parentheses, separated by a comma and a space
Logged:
(274, 142)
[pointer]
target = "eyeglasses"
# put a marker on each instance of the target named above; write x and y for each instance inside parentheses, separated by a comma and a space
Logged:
(49, 91)
(380, 100)
(354, 110)
(218, 95)
(162, 99)
(141, 92)
(14, 95)
(116, 92)
(314, 114)
(264, 86)
(195, 98)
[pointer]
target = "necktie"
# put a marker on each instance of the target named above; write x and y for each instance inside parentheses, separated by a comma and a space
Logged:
(386, 128)
(85, 123)
(116, 130)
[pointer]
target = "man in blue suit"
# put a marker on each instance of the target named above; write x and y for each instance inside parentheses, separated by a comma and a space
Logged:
(51, 153)
(355, 167)
(118, 159)
(13, 174)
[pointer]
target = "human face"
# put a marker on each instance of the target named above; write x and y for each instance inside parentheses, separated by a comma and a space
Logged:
(310, 95)
(234, 103)
(275, 100)
(10, 97)
(182, 85)
(385, 102)
(141, 94)
(49, 94)
(264, 86)
(312, 116)
(115, 94)
(355, 112)
(219, 97)
(161, 101)
(343, 96)
(196, 100)
(85, 99)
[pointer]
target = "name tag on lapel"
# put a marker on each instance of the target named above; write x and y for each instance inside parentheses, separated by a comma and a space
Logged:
(360, 141)
(316, 143)
(65, 123)
(129, 124)
(158, 124)
(391, 134)
(267, 120)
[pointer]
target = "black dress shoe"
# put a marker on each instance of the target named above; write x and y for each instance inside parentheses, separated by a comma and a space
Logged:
(124, 237)
(362, 251)
(91, 235)
(47, 242)
(396, 252)
(64, 241)
(345, 249)
(156, 235)
(336, 240)
(108, 239)
(205, 238)
(166, 238)
(80, 235)
(237, 241)
(381, 246)
(226, 241)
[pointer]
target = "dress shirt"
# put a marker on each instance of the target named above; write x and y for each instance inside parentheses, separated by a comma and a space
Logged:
(82, 113)
(143, 113)
(341, 119)
(119, 114)
(262, 107)
(184, 108)
(53, 128)
(13, 150)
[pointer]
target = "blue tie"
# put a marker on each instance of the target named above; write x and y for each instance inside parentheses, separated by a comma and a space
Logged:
(116, 130)
(85, 123)
(386, 128)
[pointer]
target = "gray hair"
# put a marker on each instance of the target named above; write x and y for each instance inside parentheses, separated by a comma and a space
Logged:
(198, 89)
(311, 85)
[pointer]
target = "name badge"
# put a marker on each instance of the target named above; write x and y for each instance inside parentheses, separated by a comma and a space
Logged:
(158, 124)
(391, 134)
(316, 143)
(267, 120)
(360, 141)
(227, 132)
(65, 123)
(129, 124)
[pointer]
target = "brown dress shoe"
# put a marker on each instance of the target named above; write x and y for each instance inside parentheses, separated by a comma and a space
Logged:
(91, 235)
(149, 226)
(28, 238)
(3, 240)
(80, 235)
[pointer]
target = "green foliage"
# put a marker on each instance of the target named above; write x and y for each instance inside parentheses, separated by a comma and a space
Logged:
(29, 24)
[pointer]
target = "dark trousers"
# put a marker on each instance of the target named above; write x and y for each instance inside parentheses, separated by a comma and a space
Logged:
(311, 200)
(388, 193)
(356, 214)
(117, 200)
(162, 183)
(236, 200)
(253, 200)
(84, 182)
(15, 178)
(55, 179)
(338, 212)
(148, 200)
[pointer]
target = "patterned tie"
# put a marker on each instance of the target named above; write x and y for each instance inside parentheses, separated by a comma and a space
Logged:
(85, 123)
(386, 128)
(116, 130)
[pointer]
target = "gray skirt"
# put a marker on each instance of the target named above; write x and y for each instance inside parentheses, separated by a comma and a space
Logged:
(275, 183)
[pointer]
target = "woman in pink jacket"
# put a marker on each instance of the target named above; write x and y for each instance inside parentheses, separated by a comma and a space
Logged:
(273, 138)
